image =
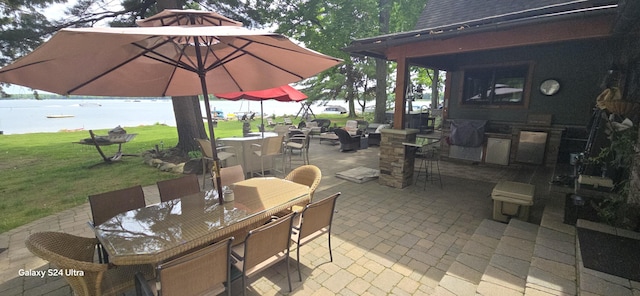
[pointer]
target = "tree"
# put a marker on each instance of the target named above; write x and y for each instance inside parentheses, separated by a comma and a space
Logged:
(381, 65)
(330, 25)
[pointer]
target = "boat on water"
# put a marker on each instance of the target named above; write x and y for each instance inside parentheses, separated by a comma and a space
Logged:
(334, 109)
(60, 116)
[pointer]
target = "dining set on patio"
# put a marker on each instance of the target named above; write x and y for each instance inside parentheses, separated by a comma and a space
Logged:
(190, 243)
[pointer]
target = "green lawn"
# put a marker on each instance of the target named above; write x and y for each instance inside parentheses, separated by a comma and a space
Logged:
(45, 173)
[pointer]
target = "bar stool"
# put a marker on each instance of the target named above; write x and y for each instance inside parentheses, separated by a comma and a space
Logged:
(430, 157)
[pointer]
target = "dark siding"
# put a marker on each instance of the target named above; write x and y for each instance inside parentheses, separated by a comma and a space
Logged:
(580, 67)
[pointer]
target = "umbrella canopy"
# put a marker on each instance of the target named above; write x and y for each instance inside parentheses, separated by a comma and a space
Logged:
(162, 61)
(284, 93)
(165, 61)
(178, 17)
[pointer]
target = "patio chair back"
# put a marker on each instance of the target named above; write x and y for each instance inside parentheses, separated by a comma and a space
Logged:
(204, 271)
(351, 126)
(263, 247)
(309, 175)
(105, 206)
(316, 220)
(179, 187)
(232, 174)
(298, 141)
(224, 154)
(70, 252)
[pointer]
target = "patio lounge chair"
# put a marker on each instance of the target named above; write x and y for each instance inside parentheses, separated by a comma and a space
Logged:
(347, 141)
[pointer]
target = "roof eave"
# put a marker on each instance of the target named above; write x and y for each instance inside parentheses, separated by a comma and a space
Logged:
(377, 46)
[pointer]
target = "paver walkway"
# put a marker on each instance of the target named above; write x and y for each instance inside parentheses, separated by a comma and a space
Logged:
(385, 240)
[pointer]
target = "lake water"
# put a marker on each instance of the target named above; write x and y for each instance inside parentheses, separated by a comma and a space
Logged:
(30, 116)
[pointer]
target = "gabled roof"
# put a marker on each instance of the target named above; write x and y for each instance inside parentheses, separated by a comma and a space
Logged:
(444, 19)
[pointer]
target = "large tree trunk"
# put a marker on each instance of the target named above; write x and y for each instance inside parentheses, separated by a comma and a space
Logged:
(350, 91)
(434, 89)
(381, 91)
(381, 66)
(188, 122)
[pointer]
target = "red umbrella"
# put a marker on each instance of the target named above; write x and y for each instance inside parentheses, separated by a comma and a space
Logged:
(284, 93)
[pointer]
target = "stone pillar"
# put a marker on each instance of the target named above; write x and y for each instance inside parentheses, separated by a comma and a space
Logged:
(396, 161)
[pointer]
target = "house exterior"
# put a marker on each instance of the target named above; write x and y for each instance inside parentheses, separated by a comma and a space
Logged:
(517, 69)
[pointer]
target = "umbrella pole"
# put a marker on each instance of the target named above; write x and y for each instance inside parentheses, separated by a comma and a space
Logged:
(216, 161)
(261, 119)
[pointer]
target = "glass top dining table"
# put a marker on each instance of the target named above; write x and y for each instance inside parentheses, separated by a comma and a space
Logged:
(155, 233)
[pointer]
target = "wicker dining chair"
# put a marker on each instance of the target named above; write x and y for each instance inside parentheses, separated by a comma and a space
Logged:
(309, 175)
(203, 272)
(179, 187)
(264, 247)
(69, 252)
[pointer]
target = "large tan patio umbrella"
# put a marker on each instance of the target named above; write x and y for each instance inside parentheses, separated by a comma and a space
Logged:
(165, 61)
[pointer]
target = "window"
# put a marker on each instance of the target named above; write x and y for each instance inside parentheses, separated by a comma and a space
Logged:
(495, 86)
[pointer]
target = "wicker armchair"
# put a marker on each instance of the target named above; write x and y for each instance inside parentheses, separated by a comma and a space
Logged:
(309, 175)
(70, 252)
(347, 141)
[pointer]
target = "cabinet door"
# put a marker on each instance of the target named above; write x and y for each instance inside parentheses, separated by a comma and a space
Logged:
(498, 151)
(531, 147)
